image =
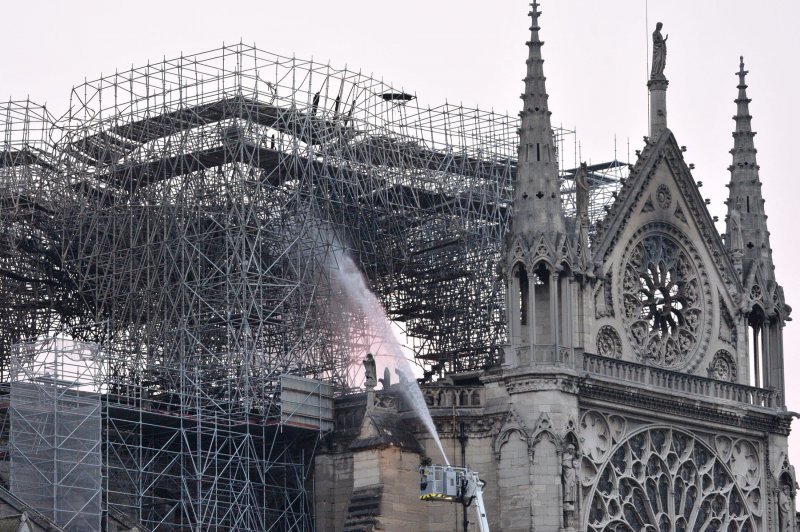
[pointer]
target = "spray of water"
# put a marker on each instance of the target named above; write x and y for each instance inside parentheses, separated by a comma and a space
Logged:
(353, 284)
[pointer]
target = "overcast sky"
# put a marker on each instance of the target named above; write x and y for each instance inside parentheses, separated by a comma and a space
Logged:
(473, 52)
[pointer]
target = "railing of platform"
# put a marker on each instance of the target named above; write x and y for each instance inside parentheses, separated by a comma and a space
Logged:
(677, 382)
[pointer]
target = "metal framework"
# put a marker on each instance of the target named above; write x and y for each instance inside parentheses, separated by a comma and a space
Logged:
(56, 458)
(182, 215)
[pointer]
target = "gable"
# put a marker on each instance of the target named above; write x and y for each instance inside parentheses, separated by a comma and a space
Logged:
(662, 163)
(665, 272)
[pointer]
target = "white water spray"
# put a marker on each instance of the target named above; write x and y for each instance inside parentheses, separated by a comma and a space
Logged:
(355, 288)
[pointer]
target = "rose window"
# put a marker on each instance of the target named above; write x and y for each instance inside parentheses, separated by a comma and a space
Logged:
(663, 302)
(663, 479)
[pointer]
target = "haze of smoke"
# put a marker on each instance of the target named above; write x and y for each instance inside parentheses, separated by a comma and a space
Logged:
(355, 289)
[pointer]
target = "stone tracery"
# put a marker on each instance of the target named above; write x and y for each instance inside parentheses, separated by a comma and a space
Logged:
(723, 366)
(667, 479)
(663, 196)
(664, 300)
(608, 342)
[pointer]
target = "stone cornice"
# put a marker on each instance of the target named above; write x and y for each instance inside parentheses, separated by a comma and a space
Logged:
(643, 399)
(542, 382)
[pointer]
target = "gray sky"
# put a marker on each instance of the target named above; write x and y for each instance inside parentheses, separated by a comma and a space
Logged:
(473, 52)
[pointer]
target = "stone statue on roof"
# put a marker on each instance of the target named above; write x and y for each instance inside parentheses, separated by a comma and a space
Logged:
(659, 53)
(785, 509)
(370, 372)
(735, 224)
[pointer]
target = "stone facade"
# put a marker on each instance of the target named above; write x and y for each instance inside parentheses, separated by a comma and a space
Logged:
(642, 386)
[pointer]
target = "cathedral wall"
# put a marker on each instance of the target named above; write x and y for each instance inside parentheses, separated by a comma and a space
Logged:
(514, 482)
(401, 509)
(515, 441)
(562, 453)
(546, 488)
(778, 453)
(367, 468)
(369, 487)
(333, 485)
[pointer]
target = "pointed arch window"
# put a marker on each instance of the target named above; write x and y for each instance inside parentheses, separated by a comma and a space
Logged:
(755, 332)
(523, 294)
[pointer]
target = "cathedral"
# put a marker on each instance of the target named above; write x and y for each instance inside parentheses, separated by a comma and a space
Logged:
(642, 383)
(202, 260)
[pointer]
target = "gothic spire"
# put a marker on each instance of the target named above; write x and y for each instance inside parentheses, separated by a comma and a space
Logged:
(537, 201)
(746, 234)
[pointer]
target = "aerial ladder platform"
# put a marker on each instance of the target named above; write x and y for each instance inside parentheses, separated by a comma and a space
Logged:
(456, 485)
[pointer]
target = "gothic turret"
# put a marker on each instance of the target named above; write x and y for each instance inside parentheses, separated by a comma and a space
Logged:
(747, 237)
(747, 240)
(537, 202)
(541, 253)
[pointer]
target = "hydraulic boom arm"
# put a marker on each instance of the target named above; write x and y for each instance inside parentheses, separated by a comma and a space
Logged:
(454, 484)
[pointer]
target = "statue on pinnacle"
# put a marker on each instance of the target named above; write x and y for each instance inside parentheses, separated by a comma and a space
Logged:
(659, 53)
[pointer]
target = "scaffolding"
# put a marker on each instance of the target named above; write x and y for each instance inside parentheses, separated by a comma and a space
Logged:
(55, 438)
(183, 214)
(35, 291)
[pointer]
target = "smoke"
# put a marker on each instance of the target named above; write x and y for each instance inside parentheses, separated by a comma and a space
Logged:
(385, 345)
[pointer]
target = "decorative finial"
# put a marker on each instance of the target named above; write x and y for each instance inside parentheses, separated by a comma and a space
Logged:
(742, 72)
(659, 53)
(534, 14)
(386, 381)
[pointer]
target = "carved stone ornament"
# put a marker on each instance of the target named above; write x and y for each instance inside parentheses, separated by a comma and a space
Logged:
(727, 327)
(679, 214)
(667, 479)
(755, 292)
(665, 298)
(604, 298)
(542, 250)
(569, 476)
(512, 424)
(608, 342)
(519, 253)
(542, 383)
(663, 197)
(596, 436)
(389, 401)
(723, 367)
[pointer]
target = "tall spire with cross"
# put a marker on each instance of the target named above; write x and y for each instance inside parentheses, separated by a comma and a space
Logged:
(537, 201)
(538, 244)
(747, 237)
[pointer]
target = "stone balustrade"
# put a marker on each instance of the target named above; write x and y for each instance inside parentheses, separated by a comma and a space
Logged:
(437, 395)
(544, 354)
(677, 382)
